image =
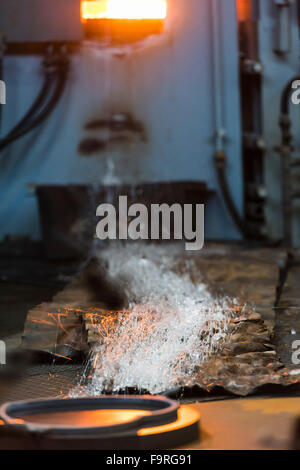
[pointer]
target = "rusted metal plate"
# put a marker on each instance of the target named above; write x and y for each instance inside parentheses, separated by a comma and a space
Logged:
(247, 362)
(54, 324)
(68, 321)
(287, 329)
(248, 359)
(251, 276)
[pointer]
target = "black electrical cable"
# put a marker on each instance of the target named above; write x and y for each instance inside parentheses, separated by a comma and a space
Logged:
(220, 161)
(58, 92)
(30, 121)
(39, 120)
(38, 103)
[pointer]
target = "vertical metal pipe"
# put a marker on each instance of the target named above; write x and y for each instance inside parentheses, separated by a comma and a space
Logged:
(2, 50)
(285, 153)
(287, 197)
(283, 26)
(220, 155)
(217, 74)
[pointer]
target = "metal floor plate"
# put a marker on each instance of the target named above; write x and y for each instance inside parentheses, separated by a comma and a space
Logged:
(40, 381)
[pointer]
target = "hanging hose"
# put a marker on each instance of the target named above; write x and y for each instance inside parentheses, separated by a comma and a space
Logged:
(57, 70)
(38, 103)
(218, 77)
(38, 120)
(34, 108)
(220, 163)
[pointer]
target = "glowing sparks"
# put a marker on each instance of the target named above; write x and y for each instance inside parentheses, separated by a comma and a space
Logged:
(124, 9)
(171, 327)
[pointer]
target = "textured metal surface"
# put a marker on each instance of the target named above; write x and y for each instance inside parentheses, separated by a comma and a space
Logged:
(247, 360)
(165, 83)
(287, 329)
(40, 381)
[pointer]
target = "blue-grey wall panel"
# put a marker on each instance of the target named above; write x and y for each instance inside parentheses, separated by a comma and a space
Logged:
(40, 20)
(165, 83)
(279, 68)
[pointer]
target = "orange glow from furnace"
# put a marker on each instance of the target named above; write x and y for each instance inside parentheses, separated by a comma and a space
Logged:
(124, 9)
(187, 416)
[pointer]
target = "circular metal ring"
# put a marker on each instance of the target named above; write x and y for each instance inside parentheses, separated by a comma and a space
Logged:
(161, 411)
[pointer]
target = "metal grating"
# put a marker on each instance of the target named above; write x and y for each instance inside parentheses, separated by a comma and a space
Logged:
(40, 382)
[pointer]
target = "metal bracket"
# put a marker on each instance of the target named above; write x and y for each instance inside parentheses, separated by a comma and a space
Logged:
(283, 26)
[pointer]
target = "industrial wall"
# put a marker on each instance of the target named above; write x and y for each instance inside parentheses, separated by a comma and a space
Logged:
(279, 52)
(178, 92)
